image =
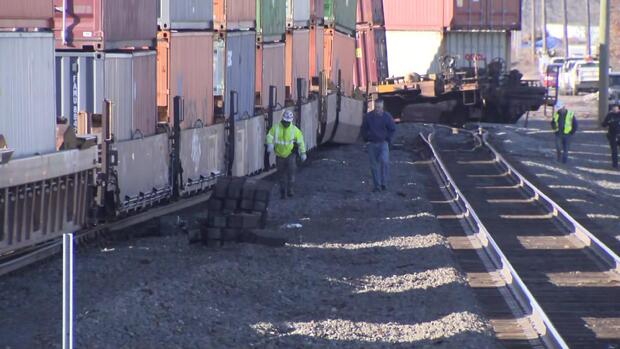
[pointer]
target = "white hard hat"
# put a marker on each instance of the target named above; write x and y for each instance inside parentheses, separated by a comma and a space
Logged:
(559, 105)
(288, 116)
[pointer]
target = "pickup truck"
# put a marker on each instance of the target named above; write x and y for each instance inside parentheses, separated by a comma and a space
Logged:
(584, 77)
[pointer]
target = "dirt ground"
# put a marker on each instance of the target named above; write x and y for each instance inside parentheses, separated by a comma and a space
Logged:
(365, 270)
(587, 185)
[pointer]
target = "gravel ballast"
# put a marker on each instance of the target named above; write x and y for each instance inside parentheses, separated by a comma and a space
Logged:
(364, 270)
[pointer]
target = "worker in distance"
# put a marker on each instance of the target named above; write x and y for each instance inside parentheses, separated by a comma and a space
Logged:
(612, 122)
(287, 141)
(564, 125)
(378, 130)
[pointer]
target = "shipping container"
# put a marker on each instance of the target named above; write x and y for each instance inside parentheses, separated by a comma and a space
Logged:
(297, 61)
(185, 68)
(26, 14)
(128, 79)
(235, 70)
(316, 50)
(317, 11)
(105, 24)
(339, 55)
(270, 72)
(370, 12)
(234, 14)
(405, 58)
(341, 13)
(298, 13)
(371, 54)
(437, 15)
(270, 20)
(185, 14)
(27, 102)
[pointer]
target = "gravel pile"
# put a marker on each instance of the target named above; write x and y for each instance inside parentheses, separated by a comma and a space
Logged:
(361, 270)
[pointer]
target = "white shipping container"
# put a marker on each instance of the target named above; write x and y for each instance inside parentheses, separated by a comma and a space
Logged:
(185, 14)
(85, 79)
(405, 55)
(26, 93)
(297, 13)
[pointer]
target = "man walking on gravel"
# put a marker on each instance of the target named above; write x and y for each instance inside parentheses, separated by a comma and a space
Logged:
(287, 141)
(377, 130)
(564, 124)
(612, 122)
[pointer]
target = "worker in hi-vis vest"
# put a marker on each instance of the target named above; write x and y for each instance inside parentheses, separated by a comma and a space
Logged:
(564, 124)
(287, 141)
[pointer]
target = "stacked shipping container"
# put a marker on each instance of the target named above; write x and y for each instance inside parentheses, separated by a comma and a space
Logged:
(339, 43)
(371, 50)
(299, 19)
(465, 29)
(271, 17)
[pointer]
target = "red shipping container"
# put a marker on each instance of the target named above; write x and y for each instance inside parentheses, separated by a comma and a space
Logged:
(370, 11)
(185, 68)
(437, 15)
(26, 14)
(234, 14)
(371, 55)
(105, 24)
(297, 60)
(339, 55)
(270, 72)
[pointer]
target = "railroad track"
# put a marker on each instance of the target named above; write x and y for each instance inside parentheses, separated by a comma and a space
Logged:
(24, 257)
(559, 276)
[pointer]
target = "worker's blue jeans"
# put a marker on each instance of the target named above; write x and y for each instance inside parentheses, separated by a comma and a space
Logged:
(562, 142)
(379, 154)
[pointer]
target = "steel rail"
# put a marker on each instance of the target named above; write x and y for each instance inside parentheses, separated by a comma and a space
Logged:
(52, 247)
(550, 335)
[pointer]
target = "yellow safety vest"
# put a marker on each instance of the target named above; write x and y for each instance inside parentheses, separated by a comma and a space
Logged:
(284, 139)
(568, 122)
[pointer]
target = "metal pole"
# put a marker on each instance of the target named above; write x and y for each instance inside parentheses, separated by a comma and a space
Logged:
(603, 99)
(177, 170)
(565, 27)
(544, 26)
(67, 291)
(533, 33)
(588, 29)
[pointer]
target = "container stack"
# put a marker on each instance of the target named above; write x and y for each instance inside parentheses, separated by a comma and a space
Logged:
(339, 42)
(271, 19)
(27, 122)
(472, 31)
(105, 50)
(371, 49)
(185, 61)
(299, 24)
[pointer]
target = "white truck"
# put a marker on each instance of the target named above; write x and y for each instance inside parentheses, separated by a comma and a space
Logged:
(584, 77)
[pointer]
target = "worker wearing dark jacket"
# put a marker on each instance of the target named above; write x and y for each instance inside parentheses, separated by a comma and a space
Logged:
(378, 130)
(564, 124)
(612, 122)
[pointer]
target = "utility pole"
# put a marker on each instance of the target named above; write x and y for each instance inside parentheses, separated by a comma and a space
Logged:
(588, 30)
(565, 27)
(603, 88)
(544, 26)
(533, 34)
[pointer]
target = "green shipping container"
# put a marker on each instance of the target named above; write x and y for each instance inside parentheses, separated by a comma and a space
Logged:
(343, 13)
(270, 20)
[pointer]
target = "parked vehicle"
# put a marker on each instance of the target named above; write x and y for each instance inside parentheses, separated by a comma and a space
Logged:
(585, 76)
(550, 79)
(565, 74)
(614, 88)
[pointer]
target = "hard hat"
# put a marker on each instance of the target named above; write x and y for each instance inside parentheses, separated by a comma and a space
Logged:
(559, 105)
(288, 116)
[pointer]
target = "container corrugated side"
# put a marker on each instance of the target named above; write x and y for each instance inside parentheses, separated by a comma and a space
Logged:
(489, 45)
(185, 68)
(372, 65)
(414, 15)
(26, 93)
(270, 20)
(234, 14)
(298, 13)
(239, 61)
(340, 56)
(270, 72)
(371, 12)
(26, 14)
(106, 24)
(316, 50)
(300, 61)
(343, 13)
(317, 11)
(185, 14)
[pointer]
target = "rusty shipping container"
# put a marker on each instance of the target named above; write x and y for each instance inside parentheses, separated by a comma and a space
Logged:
(297, 61)
(317, 50)
(105, 24)
(269, 72)
(128, 79)
(437, 15)
(339, 55)
(235, 70)
(185, 68)
(371, 55)
(371, 12)
(185, 14)
(234, 14)
(27, 102)
(26, 14)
